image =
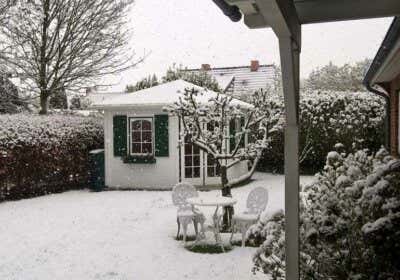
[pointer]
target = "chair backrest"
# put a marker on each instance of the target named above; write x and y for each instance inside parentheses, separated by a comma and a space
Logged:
(257, 200)
(181, 192)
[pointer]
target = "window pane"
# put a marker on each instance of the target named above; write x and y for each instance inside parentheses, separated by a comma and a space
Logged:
(188, 172)
(146, 148)
(188, 161)
(136, 148)
(210, 160)
(196, 150)
(218, 170)
(196, 161)
(146, 137)
(196, 172)
(136, 136)
(210, 172)
(188, 149)
(136, 125)
(146, 125)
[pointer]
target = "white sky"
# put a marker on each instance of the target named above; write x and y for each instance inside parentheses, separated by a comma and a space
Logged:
(192, 32)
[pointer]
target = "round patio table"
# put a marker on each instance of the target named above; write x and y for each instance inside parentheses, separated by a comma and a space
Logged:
(213, 202)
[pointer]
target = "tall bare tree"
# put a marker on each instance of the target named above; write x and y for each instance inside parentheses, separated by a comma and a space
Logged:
(66, 44)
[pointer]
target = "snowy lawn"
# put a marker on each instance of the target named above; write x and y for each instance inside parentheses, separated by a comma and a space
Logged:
(116, 235)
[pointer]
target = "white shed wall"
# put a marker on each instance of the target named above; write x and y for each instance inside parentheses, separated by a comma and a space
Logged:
(161, 175)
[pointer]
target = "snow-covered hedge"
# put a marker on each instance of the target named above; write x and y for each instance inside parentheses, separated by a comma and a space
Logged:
(354, 119)
(350, 222)
(44, 154)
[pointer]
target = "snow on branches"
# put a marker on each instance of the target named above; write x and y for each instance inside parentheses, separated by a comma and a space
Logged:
(208, 122)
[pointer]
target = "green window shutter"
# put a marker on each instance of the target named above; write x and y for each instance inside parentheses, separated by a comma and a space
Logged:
(232, 131)
(242, 123)
(120, 137)
(161, 135)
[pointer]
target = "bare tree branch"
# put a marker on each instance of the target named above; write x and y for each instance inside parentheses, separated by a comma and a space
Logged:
(66, 44)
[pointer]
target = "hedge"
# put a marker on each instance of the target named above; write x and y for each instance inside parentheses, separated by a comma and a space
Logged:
(45, 154)
(357, 120)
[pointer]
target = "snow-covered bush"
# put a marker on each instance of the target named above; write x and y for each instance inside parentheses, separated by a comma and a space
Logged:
(10, 101)
(43, 154)
(350, 222)
(326, 118)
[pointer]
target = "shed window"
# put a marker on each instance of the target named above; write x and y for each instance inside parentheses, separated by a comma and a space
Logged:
(141, 136)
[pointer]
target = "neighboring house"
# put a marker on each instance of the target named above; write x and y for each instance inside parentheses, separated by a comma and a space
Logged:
(145, 147)
(383, 78)
(241, 80)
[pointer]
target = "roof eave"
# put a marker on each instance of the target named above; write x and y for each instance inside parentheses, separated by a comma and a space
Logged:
(388, 43)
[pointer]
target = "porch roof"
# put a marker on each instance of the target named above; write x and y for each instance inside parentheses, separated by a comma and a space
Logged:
(286, 17)
(161, 95)
(314, 11)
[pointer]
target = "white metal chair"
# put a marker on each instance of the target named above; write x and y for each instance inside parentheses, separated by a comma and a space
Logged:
(256, 203)
(186, 213)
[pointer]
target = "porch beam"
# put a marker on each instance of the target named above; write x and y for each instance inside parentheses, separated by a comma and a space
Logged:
(281, 16)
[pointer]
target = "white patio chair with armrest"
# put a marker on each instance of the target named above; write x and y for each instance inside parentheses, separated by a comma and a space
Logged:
(256, 203)
(186, 213)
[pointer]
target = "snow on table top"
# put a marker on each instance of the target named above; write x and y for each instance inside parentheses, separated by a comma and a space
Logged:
(211, 201)
(163, 94)
(117, 235)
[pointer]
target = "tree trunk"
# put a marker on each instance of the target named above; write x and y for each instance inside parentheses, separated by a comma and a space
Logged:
(44, 103)
(226, 191)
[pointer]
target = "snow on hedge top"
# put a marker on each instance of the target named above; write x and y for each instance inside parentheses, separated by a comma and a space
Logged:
(164, 94)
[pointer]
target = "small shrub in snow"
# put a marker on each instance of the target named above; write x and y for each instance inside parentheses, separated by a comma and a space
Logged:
(354, 119)
(43, 154)
(350, 222)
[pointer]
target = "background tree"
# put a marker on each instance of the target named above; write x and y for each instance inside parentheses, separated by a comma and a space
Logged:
(144, 83)
(10, 101)
(338, 78)
(59, 100)
(66, 44)
(207, 126)
(199, 78)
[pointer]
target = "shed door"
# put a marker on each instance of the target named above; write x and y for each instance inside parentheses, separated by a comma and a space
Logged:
(193, 163)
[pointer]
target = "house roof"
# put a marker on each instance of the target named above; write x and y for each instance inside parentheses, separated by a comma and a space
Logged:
(161, 95)
(241, 80)
(385, 66)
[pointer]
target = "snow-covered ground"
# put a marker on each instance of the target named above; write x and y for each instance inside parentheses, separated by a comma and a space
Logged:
(116, 235)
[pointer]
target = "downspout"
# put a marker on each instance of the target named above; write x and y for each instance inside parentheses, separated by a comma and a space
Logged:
(387, 117)
(231, 12)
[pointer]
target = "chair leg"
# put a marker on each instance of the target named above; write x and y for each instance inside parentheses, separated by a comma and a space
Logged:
(203, 232)
(233, 230)
(179, 227)
(185, 221)
(185, 225)
(196, 230)
(243, 236)
(244, 229)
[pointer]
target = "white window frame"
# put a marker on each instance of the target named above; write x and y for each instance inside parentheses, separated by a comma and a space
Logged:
(131, 120)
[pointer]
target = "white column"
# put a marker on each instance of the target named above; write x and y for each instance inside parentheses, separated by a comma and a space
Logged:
(290, 59)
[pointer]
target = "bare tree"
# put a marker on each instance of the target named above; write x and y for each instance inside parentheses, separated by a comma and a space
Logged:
(208, 127)
(66, 44)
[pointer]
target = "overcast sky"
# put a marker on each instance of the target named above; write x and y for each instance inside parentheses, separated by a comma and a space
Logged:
(192, 32)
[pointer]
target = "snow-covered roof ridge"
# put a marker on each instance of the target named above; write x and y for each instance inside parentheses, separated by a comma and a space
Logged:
(160, 95)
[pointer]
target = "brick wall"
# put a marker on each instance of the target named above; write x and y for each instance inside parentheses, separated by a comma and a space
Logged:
(394, 116)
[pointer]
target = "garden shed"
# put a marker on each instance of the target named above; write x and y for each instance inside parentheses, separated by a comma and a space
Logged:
(145, 147)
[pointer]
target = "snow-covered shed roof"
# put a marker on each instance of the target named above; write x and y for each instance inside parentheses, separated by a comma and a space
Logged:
(161, 95)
